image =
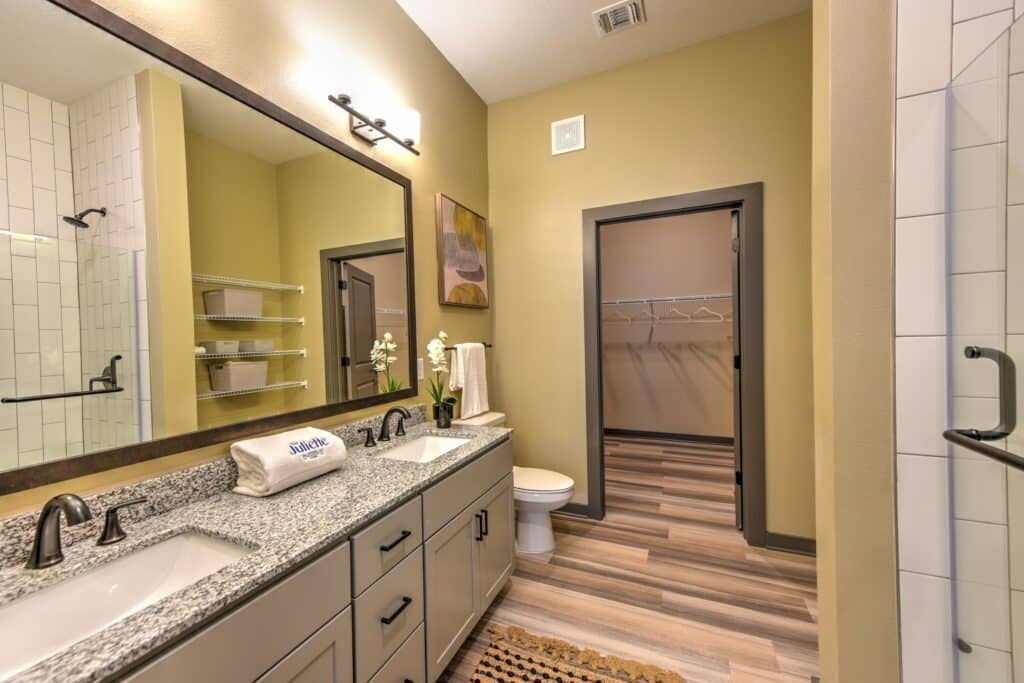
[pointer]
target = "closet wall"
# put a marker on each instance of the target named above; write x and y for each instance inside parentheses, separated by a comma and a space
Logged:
(669, 375)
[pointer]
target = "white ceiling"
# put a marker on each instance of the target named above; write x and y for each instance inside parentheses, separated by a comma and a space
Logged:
(49, 52)
(506, 48)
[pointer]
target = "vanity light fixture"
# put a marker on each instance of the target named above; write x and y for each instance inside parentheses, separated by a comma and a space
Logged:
(373, 130)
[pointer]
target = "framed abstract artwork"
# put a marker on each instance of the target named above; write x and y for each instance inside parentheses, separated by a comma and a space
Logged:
(461, 255)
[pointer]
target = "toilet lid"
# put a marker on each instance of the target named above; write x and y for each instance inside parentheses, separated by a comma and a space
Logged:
(542, 481)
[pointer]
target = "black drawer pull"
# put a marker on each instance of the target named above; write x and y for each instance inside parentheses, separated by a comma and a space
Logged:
(391, 546)
(480, 526)
(406, 601)
(486, 523)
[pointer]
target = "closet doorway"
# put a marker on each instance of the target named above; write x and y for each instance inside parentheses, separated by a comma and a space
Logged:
(675, 414)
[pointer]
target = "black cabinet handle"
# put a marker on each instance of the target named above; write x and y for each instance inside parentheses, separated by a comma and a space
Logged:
(486, 523)
(480, 527)
(406, 601)
(391, 546)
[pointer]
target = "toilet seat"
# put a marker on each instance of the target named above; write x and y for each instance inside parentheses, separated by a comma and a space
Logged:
(539, 481)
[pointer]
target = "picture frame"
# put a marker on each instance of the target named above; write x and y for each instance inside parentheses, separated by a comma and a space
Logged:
(462, 271)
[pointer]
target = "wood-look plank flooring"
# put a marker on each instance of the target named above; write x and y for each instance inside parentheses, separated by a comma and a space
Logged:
(665, 578)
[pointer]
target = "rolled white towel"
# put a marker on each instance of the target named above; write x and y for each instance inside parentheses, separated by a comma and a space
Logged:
(270, 464)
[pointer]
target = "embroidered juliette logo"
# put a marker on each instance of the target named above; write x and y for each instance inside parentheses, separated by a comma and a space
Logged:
(308, 449)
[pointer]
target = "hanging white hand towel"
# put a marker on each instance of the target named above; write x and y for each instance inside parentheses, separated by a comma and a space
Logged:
(469, 373)
(273, 463)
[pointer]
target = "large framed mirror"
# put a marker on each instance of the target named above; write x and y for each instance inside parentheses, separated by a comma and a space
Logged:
(181, 261)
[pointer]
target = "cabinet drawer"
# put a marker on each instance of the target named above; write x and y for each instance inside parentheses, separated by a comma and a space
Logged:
(251, 639)
(385, 543)
(386, 613)
(325, 657)
(451, 495)
(408, 664)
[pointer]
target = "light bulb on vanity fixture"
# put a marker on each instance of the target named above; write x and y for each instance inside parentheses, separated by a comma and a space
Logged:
(374, 129)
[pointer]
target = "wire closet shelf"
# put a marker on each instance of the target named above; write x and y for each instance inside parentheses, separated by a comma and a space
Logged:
(702, 314)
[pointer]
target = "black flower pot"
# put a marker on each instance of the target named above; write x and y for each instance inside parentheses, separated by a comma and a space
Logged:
(443, 415)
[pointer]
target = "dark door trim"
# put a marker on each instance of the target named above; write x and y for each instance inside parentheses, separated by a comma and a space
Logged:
(329, 288)
(748, 199)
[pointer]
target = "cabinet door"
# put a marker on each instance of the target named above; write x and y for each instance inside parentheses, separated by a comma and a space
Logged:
(326, 657)
(449, 563)
(496, 552)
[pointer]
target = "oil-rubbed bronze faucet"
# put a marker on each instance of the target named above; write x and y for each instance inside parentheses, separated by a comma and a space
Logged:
(403, 415)
(46, 550)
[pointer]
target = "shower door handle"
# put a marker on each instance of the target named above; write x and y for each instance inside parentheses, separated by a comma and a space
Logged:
(973, 439)
(1007, 394)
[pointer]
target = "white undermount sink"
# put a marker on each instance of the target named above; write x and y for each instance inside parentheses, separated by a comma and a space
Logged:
(45, 622)
(424, 449)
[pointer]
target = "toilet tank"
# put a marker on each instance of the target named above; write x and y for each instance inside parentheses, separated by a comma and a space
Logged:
(489, 419)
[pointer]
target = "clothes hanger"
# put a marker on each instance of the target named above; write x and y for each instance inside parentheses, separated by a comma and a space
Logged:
(709, 315)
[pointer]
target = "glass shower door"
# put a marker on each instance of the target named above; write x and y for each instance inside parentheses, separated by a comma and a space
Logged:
(985, 279)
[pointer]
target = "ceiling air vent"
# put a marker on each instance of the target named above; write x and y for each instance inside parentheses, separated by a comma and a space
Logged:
(619, 16)
(567, 135)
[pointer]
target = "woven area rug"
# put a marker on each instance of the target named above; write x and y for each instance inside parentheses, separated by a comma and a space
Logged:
(515, 655)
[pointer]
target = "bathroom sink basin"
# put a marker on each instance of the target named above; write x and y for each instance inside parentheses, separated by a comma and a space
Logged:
(54, 618)
(424, 449)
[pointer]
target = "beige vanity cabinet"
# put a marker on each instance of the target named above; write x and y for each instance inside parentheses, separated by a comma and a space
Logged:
(325, 657)
(496, 548)
(453, 603)
(468, 561)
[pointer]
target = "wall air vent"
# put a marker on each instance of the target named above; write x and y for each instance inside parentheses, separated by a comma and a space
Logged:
(567, 135)
(620, 15)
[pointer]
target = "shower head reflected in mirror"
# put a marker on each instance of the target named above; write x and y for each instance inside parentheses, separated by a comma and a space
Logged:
(77, 221)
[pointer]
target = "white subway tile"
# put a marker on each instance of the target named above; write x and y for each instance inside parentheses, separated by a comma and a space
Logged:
(1015, 146)
(19, 183)
(923, 47)
(969, 9)
(47, 263)
(979, 110)
(983, 614)
(979, 178)
(70, 330)
(49, 306)
(61, 148)
(51, 350)
(920, 155)
(30, 427)
(43, 165)
(27, 373)
(978, 304)
(982, 553)
(924, 528)
(44, 211)
(54, 442)
(978, 240)
(921, 275)
(26, 328)
(979, 490)
(23, 270)
(60, 114)
(6, 305)
(15, 97)
(16, 134)
(40, 117)
(971, 38)
(927, 628)
(920, 395)
(8, 367)
(985, 665)
(8, 411)
(65, 199)
(72, 370)
(3, 155)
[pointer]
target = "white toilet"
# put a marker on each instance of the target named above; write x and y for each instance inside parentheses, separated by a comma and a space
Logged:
(536, 491)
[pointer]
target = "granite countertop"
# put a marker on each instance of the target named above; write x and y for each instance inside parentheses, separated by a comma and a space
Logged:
(282, 530)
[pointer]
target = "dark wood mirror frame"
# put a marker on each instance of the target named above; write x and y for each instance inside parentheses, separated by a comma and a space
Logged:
(98, 461)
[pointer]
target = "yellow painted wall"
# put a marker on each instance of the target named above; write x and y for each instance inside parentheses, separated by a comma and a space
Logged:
(327, 201)
(729, 111)
(852, 279)
(168, 275)
(295, 55)
(232, 206)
